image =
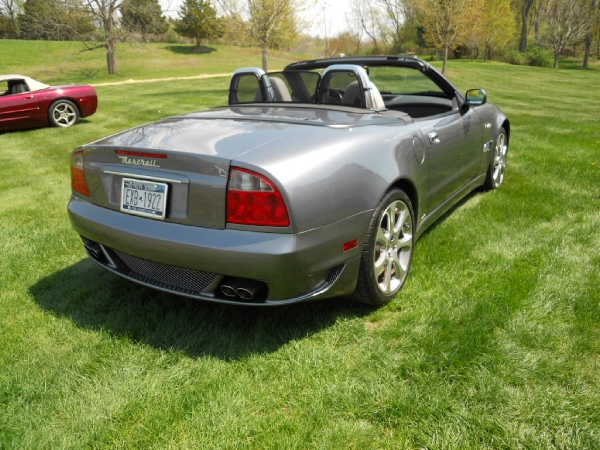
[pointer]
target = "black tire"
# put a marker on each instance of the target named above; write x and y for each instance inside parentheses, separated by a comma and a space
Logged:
(387, 251)
(497, 167)
(63, 113)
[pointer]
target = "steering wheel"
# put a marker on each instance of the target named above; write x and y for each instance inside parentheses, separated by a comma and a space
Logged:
(332, 96)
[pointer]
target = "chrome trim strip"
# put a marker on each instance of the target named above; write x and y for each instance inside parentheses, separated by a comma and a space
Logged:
(143, 177)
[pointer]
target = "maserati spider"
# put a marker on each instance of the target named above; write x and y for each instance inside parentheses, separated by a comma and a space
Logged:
(312, 182)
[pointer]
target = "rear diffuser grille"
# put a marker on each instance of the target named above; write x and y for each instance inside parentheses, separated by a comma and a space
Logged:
(165, 276)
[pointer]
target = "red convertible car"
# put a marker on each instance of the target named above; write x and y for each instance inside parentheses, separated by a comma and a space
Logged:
(27, 103)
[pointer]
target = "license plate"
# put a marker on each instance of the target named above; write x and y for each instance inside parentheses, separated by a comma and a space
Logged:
(144, 198)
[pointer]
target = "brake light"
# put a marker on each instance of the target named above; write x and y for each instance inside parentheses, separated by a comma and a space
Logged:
(254, 200)
(78, 180)
(143, 154)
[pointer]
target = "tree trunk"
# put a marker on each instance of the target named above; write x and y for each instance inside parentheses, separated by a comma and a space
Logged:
(538, 23)
(525, 17)
(445, 60)
(586, 55)
(556, 55)
(111, 53)
(265, 57)
(111, 57)
(588, 40)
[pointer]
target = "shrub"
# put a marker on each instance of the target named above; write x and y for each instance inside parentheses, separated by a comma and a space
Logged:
(535, 56)
(516, 58)
(540, 57)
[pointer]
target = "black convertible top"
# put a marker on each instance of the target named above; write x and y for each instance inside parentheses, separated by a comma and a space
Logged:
(373, 61)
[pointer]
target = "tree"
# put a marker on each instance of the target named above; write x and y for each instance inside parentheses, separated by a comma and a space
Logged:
(54, 20)
(588, 38)
(538, 21)
(367, 17)
(525, 8)
(476, 33)
(198, 20)
(272, 24)
(446, 23)
(8, 29)
(325, 26)
(395, 12)
(46, 20)
(105, 13)
(342, 43)
(9, 11)
(567, 22)
(144, 17)
(354, 23)
(498, 25)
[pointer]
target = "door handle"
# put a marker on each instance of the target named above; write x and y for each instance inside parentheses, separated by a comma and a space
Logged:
(433, 137)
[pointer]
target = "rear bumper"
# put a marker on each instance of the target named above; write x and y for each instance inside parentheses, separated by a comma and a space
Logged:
(88, 105)
(291, 267)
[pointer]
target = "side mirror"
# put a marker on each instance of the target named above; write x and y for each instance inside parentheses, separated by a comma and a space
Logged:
(475, 97)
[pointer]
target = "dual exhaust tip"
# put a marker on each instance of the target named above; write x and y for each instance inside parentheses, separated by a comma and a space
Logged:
(240, 288)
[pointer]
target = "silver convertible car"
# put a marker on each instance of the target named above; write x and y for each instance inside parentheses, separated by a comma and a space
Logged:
(313, 182)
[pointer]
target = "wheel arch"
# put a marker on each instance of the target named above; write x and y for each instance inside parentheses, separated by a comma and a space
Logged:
(409, 188)
(506, 126)
(58, 99)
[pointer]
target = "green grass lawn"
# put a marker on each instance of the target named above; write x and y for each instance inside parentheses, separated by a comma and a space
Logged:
(494, 343)
(69, 62)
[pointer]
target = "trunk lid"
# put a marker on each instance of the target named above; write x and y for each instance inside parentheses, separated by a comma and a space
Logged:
(192, 154)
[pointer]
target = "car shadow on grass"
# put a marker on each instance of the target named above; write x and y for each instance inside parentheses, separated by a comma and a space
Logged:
(96, 299)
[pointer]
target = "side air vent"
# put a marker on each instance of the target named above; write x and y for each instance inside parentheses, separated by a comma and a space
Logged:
(333, 274)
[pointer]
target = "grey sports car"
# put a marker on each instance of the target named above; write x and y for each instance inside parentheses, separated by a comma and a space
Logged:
(313, 182)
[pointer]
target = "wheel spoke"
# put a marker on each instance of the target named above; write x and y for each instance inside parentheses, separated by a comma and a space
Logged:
(405, 241)
(398, 225)
(382, 237)
(385, 284)
(379, 263)
(400, 269)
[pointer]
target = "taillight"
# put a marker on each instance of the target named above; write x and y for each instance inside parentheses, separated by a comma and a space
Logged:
(78, 181)
(254, 200)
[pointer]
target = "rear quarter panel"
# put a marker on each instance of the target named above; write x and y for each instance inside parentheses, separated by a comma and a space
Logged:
(492, 115)
(83, 96)
(328, 174)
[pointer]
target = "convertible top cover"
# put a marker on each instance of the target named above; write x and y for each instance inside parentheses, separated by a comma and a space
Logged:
(33, 84)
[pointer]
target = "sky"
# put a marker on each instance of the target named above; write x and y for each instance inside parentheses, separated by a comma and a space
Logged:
(331, 11)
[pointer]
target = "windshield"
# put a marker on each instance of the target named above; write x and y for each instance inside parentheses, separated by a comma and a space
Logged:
(403, 80)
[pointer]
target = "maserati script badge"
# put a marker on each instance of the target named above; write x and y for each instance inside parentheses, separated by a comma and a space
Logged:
(138, 162)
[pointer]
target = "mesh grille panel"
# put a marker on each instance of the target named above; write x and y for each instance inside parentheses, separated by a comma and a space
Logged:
(167, 276)
(332, 274)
